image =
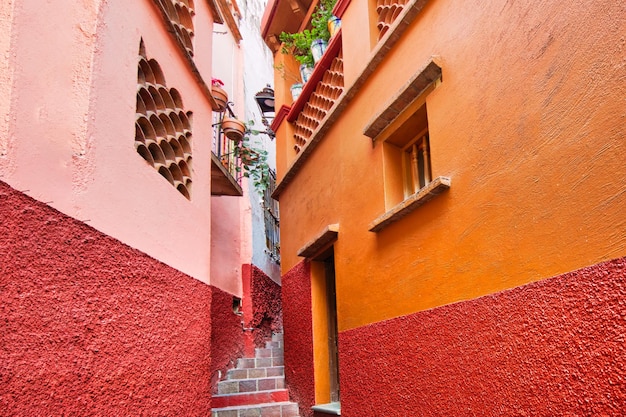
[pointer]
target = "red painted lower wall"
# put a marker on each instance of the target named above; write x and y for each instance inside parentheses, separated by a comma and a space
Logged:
(262, 312)
(227, 337)
(264, 299)
(552, 348)
(298, 336)
(92, 327)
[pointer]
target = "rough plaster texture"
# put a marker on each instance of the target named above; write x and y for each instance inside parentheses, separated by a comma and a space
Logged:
(266, 307)
(92, 327)
(227, 339)
(262, 312)
(298, 336)
(551, 348)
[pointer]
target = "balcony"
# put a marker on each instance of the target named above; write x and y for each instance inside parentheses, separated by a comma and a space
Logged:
(226, 170)
(318, 95)
(326, 95)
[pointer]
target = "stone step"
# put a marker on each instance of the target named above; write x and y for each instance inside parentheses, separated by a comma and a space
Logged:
(255, 372)
(274, 344)
(269, 353)
(280, 409)
(250, 385)
(247, 363)
(249, 398)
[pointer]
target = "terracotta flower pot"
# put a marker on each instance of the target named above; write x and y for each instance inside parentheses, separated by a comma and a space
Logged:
(221, 97)
(233, 128)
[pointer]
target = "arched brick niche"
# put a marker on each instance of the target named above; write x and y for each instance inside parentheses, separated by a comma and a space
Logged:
(180, 13)
(388, 11)
(162, 126)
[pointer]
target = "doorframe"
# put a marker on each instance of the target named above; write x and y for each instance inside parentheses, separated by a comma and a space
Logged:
(325, 329)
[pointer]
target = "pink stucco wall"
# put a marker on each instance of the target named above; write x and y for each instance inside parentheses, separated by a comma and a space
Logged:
(69, 140)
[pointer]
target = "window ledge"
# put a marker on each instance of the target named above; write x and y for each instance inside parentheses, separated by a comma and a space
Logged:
(330, 408)
(433, 189)
(313, 247)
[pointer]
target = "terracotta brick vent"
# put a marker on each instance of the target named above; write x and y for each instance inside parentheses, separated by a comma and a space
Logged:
(388, 11)
(321, 100)
(180, 13)
(162, 127)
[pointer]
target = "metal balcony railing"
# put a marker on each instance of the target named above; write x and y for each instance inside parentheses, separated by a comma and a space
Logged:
(224, 148)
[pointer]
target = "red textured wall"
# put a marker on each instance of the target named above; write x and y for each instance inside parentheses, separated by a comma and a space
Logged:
(265, 299)
(552, 348)
(298, 334)
(261, 311)
(91, 327)
(227, 338)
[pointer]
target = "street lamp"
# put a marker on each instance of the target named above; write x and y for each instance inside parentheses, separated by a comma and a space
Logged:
(265, 100)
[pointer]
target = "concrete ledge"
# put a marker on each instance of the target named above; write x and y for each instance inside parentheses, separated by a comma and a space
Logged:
(411, 91)
(436, 187)
(312, 247)
(330, 408)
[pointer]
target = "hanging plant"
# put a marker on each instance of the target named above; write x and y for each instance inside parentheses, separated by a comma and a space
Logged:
(253, 160)
(219, 94)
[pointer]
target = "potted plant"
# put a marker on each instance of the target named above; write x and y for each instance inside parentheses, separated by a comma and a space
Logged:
(219, 94)
(296, 87)
(296, 90)
(334, 24)
(233, 128)
(299, 44)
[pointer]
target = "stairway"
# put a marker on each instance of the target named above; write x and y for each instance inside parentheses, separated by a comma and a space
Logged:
(256, 388)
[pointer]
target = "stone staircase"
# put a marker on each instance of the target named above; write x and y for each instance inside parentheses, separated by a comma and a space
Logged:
(256, 388)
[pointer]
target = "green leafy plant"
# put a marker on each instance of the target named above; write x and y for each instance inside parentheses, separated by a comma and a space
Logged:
(253, 160)
(299, 44)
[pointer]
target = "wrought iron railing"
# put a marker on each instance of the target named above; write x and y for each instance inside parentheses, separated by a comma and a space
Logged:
(224, 148)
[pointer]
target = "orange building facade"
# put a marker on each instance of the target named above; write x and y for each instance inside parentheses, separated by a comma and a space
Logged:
(452, 186)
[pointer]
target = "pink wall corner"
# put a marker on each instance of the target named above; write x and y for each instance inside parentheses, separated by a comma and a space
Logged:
(226, 244)
(72, 125)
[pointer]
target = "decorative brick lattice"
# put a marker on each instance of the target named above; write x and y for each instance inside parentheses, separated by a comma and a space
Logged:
(162, 127)
(180, 13)
(320, 102)
(388, 11)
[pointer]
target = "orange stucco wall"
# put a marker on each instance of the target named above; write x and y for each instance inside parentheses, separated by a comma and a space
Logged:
(529, 124)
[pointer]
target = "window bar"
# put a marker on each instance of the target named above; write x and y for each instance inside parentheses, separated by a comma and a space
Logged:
(426, 153)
